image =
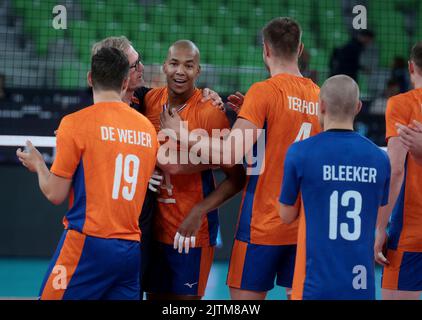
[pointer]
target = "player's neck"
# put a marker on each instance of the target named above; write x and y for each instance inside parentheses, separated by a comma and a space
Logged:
(329, 125)
(128, 96)
(106, 96)
(285, 67)
(418, 83)
(175, 100)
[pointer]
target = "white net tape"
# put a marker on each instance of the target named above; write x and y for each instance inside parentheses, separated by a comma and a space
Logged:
(37, 141)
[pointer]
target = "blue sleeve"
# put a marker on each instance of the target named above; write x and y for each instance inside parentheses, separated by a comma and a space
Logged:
(292, 177)
(386, 190)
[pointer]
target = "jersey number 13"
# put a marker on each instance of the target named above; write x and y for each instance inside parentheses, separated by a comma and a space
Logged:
(353, 214)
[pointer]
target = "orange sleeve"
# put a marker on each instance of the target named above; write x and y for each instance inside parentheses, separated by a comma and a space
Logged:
(149, 97)
(396, 112)
(153, 107)
(68, 153)
(255, 106)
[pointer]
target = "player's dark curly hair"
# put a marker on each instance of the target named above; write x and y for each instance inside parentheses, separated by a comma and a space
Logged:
(284, 36)
(109, 68)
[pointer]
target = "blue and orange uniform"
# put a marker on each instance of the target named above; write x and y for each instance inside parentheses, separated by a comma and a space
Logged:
(171, 272)
(343, 179)
(404, 233)
(286, 107)
(109, 151)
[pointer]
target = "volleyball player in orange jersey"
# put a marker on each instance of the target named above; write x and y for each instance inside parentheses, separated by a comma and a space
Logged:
(106, 154)
(285, 106)
(402, 274)
(188, 199)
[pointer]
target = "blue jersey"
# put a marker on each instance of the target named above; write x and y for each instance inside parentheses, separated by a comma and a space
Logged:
(343, 179)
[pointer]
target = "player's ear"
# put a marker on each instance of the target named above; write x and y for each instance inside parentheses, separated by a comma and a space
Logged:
(411, 67)
(322, 107)
(125, 85)
(359, 107)
(266, 49)
(301, 48)
(89, 79)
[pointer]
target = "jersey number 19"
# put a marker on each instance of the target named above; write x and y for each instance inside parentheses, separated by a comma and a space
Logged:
(129, 177)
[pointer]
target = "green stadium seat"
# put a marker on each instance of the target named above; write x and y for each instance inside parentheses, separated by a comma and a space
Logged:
(238, 36)
(333, 32)
(155, 52)
(112, 29)
(19, 5)
(222, 56)
(72, 75)
(207, 39)
(83, 35)
(248, 77)
(251, 56)
(159, 14)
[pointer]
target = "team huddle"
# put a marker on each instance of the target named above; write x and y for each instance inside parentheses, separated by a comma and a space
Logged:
(313, 216)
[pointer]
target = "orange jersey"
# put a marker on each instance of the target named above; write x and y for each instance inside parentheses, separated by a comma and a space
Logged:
(286, 107)
(180, 193)
(109, 150)
(406, 220)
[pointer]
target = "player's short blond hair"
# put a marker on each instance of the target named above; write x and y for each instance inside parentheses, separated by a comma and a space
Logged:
(121, 43)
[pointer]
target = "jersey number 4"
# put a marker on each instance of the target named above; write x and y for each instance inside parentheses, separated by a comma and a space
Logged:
(130, 176)
(304, 132)
(353, 214)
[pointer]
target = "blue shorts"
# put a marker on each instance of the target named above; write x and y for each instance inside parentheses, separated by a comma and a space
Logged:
(255, 267)
(171, 272)
(404, 271)
(90, 268)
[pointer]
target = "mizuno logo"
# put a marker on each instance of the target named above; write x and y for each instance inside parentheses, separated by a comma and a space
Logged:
(190, 285)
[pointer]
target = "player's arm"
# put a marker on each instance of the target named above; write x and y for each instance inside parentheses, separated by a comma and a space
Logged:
(234, 146)
(397, 154)
(175, 167)
(289, 202)
(226, 152)
(55, 188)
(381, 233)
(411, 137)
(288, 213)
(234, 182)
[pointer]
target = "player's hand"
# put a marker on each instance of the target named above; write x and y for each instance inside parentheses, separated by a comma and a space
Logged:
(411, 136)
(155, 181)
(186, 235)
(235, 101)
(379, 247)
(208, 94)
(172, 123)
(30, 158)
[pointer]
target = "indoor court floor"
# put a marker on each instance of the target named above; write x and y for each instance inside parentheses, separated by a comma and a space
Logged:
(21, 279)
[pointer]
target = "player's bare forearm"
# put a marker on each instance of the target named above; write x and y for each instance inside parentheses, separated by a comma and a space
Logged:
(234, 182)
(54, 188)
(287, 213)
(397, 155)
(397, 177)
(224, 152)
(177, 166)
(43, 177)
(190, 168)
